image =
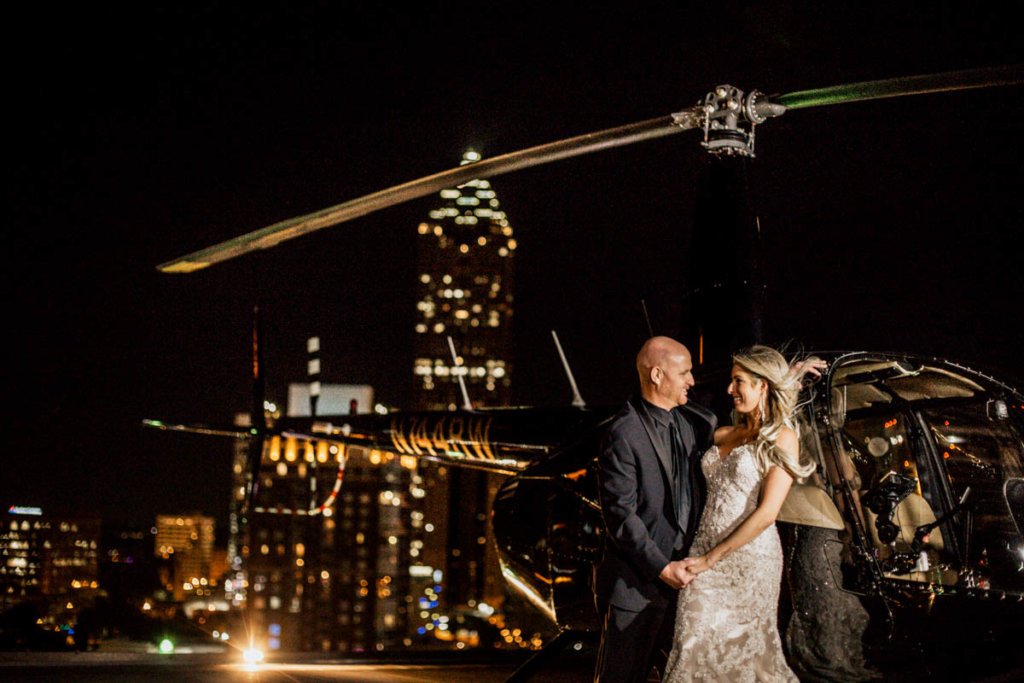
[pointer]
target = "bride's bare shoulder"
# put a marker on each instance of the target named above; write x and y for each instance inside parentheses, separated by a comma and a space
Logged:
(722, 434)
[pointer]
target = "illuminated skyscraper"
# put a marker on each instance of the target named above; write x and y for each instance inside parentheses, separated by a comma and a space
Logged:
(187, 540)
(465, 270)
(326, 560)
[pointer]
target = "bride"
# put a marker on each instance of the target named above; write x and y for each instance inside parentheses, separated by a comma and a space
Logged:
(726, 625)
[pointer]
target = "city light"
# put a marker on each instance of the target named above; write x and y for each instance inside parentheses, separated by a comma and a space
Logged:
(25, 510)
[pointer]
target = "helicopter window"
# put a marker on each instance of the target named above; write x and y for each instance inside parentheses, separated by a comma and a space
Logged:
(982, 454)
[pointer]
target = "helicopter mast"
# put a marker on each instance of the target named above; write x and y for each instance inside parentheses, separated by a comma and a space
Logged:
(725, 273)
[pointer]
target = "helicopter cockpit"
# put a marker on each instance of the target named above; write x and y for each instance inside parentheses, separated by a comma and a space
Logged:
(926, 453)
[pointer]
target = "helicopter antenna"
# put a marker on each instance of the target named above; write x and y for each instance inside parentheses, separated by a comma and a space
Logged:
(466, 405)
(650, 330)
(577, 400)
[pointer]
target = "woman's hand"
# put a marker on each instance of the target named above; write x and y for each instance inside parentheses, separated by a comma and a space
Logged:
(812, 366)
(696, 565)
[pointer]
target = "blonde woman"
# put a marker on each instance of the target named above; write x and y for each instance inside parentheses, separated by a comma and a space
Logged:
(726, 626)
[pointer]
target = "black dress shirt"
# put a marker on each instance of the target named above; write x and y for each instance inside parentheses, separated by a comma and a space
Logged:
(667, 429)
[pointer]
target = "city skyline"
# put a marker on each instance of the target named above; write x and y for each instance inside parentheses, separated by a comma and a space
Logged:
(136, 151)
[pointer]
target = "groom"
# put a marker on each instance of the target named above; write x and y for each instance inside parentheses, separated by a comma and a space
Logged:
(652, 494)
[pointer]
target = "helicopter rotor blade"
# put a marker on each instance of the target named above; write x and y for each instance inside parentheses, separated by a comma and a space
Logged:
(951, 81)
(694, 117)
(273, 235)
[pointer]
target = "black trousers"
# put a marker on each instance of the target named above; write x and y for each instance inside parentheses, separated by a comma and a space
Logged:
(634, 642)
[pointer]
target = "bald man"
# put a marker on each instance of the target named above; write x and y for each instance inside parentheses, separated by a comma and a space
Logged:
(652, 493)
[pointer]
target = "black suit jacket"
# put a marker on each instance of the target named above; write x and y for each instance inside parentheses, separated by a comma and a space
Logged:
(638, 506)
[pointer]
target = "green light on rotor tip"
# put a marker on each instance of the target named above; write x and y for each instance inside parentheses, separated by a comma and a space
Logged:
(166, 646)
(254, 431)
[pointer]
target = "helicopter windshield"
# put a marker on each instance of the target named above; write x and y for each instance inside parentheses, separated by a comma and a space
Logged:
(981, 454)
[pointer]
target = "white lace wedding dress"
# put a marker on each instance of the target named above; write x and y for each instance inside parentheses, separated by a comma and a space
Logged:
(726, 624)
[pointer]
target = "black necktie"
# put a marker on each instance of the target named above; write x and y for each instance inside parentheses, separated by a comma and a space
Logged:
(680, 477)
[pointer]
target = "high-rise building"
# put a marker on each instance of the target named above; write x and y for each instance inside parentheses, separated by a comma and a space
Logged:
(45, 555)
(187, 540)
(326, 552)
(465, 270)
(465, 260)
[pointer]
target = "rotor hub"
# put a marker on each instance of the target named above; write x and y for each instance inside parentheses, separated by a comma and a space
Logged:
(728, 118)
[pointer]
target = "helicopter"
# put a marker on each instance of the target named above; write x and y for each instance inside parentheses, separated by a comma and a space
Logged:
(919, 458)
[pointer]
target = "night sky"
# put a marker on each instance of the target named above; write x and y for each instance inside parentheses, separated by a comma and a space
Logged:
(139, 133)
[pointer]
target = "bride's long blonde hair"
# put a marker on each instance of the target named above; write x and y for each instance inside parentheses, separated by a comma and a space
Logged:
(777, 407)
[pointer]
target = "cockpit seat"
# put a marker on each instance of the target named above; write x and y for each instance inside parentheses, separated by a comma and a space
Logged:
(912, 512)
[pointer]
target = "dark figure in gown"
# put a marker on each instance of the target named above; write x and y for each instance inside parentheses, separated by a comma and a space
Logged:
(823, 641)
